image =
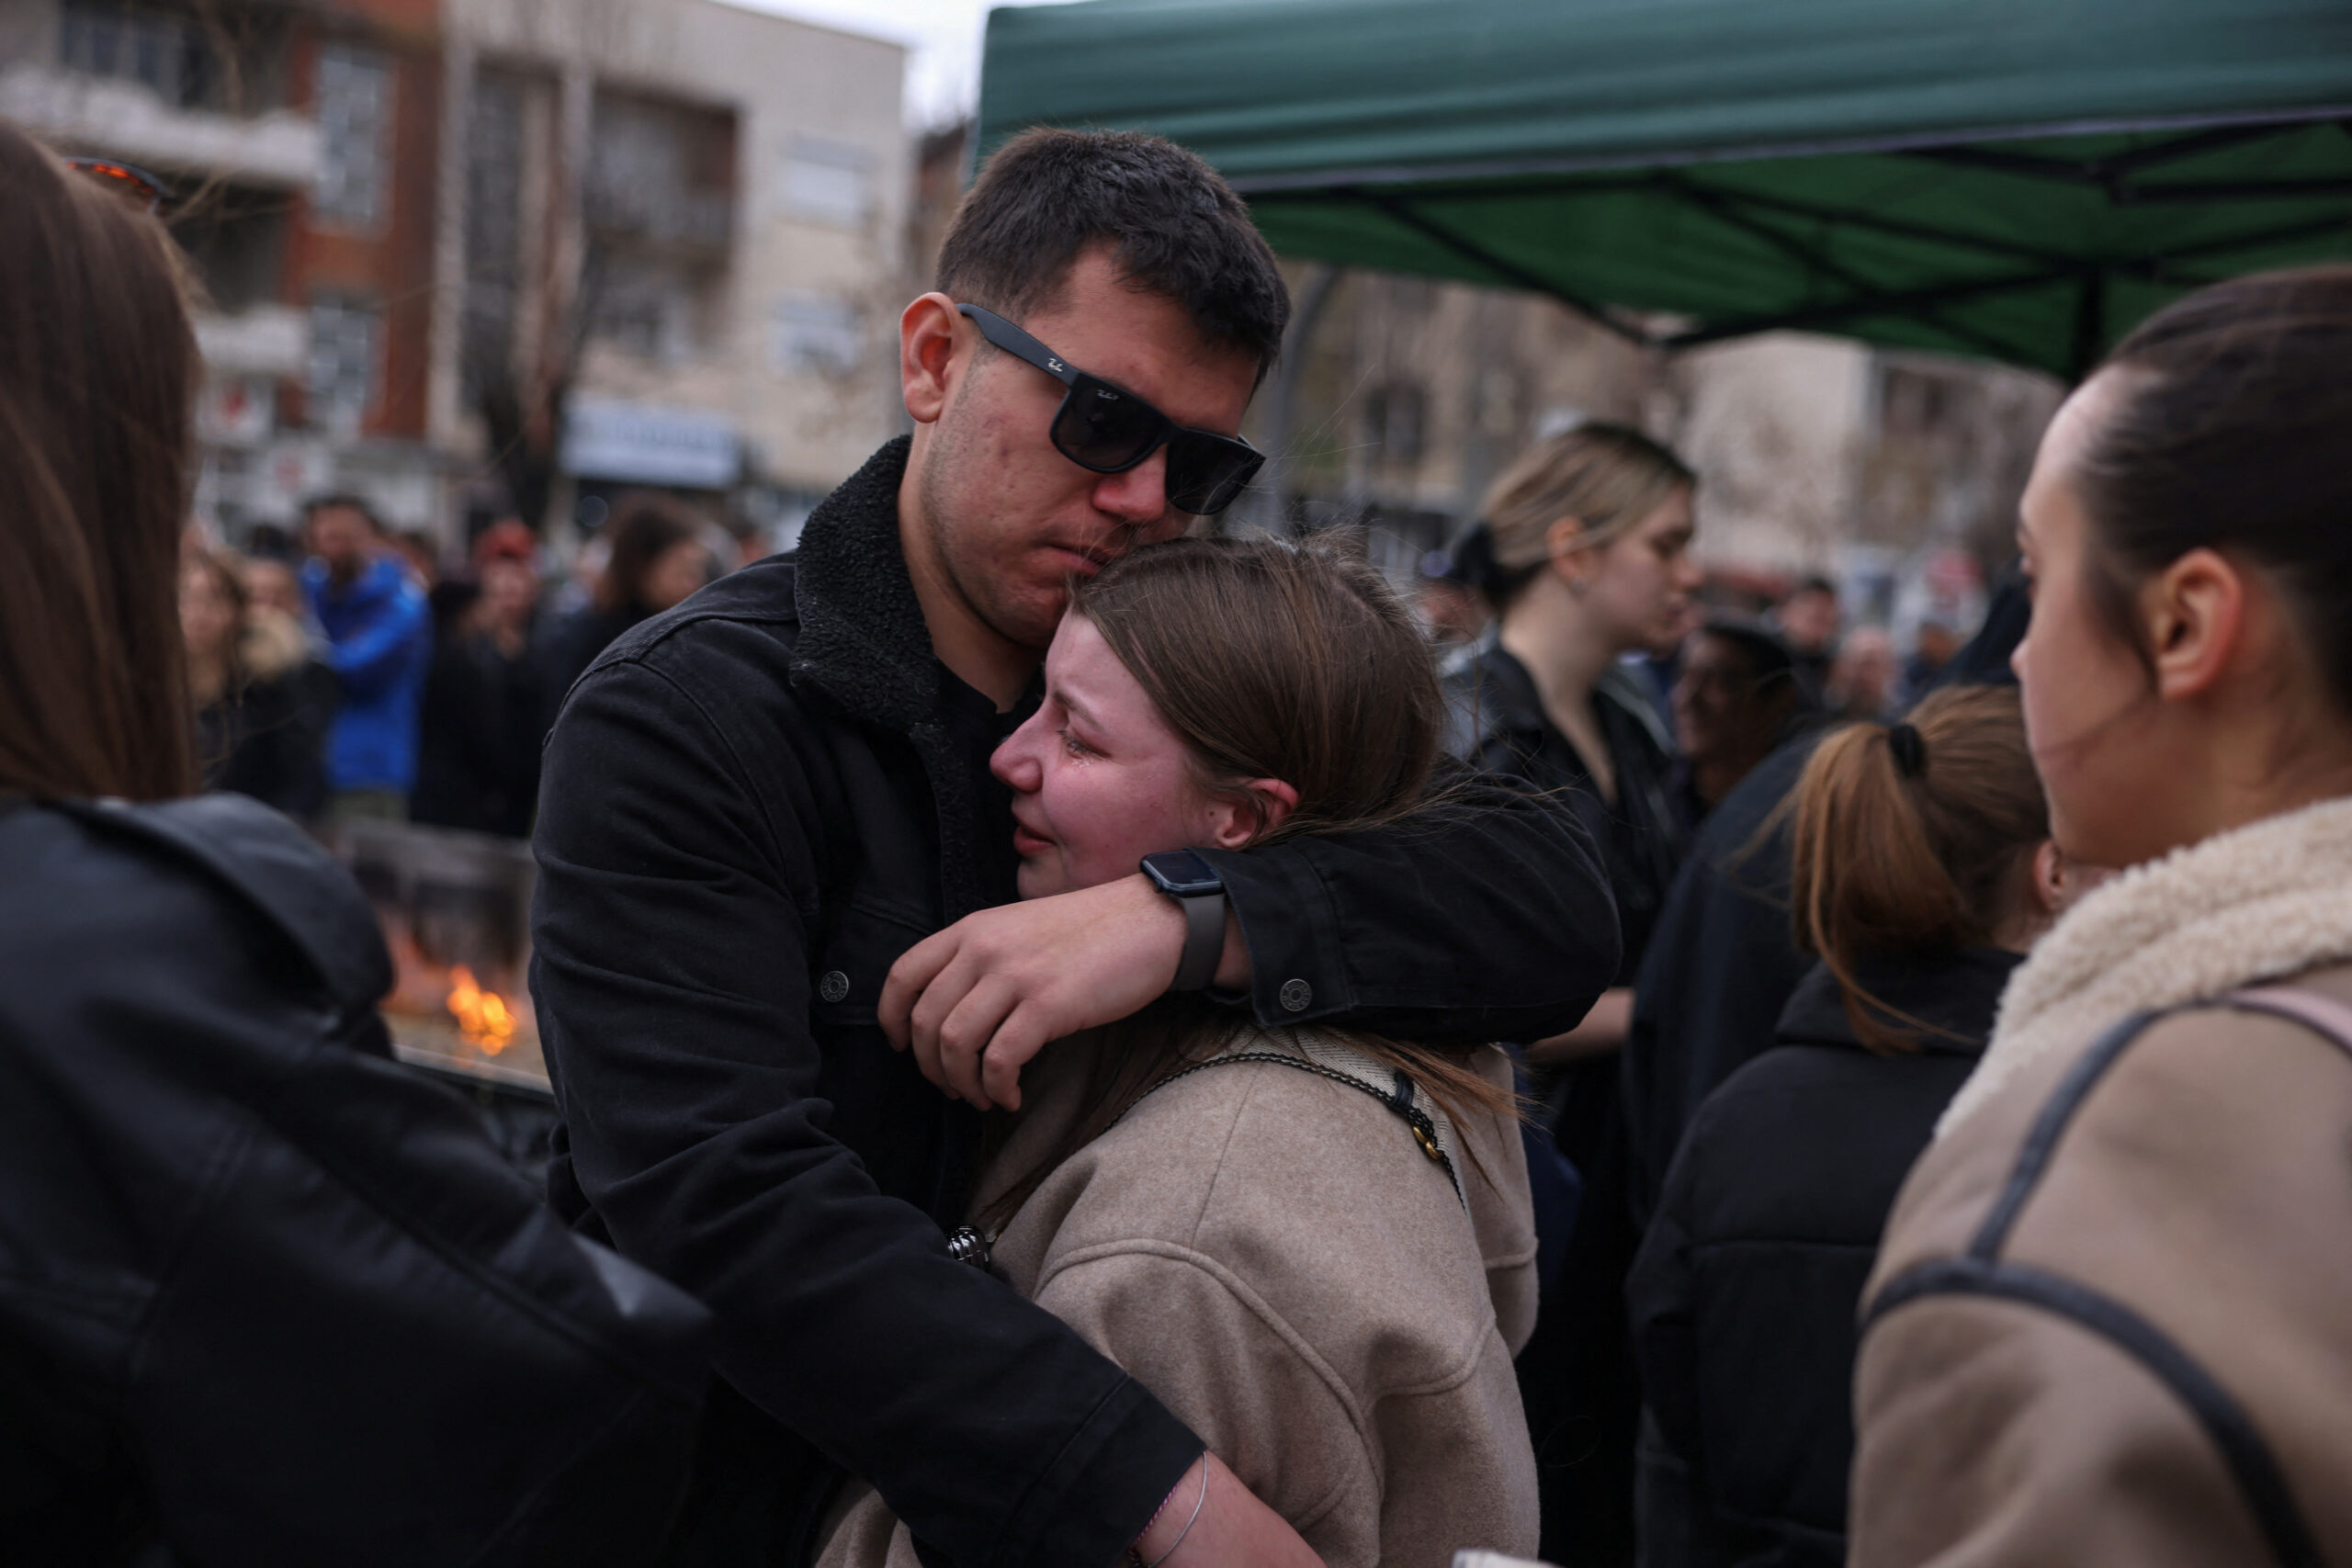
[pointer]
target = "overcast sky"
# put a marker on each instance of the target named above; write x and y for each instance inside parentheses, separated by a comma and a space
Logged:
(943, 71)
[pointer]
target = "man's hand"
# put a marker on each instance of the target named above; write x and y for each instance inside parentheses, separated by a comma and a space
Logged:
(979, 999)
(1232, 1529)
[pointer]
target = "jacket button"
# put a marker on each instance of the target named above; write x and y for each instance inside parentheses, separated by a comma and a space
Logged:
(1296, 994)
(833, 986)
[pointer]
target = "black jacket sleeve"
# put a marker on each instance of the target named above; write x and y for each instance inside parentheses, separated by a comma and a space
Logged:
(315, 1316)
(1485, 917)
(673, 982)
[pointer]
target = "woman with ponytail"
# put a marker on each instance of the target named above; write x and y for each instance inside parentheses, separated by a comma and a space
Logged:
(1922, 871)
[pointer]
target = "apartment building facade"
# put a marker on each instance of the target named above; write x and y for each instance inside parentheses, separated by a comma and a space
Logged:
(472, 257)
(298, 143)
(676, 229)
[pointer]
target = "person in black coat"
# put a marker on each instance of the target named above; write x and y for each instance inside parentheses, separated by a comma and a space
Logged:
(654, 559)
(264, 702)
(1921, 872)
(760, 808)
(1721, 963)
(1584, 554)
(485, 712)
(266, 1295)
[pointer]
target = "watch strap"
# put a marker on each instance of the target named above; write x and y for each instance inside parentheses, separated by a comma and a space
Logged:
(1204, 942)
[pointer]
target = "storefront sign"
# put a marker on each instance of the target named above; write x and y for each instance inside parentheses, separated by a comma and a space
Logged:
(638, 443)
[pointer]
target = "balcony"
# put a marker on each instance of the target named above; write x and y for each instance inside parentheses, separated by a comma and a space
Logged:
(261, 340)
(124, 119)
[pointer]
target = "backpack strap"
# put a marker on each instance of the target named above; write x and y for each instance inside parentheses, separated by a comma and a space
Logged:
(1983, 1271)
(2315, 1011)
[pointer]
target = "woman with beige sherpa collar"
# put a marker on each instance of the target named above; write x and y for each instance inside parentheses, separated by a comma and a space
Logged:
(2111, 1320)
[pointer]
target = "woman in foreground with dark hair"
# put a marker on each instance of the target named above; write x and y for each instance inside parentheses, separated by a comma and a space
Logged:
(264, 1296)
(1314, 1247)
(2109, 1320)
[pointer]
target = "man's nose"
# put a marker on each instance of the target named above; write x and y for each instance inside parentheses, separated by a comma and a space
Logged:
(1139, 497)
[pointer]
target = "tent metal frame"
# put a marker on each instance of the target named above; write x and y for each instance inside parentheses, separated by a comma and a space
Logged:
(2115, 175)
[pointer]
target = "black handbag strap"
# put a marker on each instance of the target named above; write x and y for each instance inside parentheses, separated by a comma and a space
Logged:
(1399, 1099)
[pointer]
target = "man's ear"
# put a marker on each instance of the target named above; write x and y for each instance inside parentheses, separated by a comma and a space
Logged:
(927, 357)
(1234, 823)
(2194, 612)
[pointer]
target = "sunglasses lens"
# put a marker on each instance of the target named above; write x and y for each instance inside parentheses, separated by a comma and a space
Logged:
(1100, 427)
(1207, 473)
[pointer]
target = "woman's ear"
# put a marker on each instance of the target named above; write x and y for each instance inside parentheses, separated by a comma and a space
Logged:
(1564, 543)
(2049, 890)
(2196, 612)
(1234, 823)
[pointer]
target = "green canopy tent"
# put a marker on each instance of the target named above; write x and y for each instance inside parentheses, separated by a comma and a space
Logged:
(2017, 179)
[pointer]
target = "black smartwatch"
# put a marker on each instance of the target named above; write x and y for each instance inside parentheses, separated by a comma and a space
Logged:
(1184, 876)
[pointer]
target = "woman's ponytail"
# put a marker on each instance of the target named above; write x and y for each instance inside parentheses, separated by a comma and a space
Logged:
(1908, 840)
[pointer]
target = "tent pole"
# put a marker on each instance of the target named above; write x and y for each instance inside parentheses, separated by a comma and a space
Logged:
(2090, 322)
(1282, 407)
(1511, 272)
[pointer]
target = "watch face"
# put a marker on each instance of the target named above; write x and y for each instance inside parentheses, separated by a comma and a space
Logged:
(1182, 874)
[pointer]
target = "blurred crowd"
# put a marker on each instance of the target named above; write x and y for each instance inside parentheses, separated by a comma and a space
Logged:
(349, 672)
(344, 670)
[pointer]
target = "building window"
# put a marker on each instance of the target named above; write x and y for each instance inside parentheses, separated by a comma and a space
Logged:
(816, 333)
(165, 55)
(355, 113)
(831, 182)
(1914, 404)
(346, 338)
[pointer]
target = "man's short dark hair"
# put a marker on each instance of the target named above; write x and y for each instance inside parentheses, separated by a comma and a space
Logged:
(1816, 583)
(344, 499)
(1175, 228)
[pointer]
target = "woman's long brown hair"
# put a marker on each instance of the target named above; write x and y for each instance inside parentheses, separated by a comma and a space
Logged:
(1891, 861)
(1269, 660)
(97, 367)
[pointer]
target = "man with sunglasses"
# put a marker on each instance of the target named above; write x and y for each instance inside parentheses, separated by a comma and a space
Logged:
(768, 839)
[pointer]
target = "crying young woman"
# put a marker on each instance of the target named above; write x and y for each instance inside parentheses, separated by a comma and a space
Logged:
(1316, 1247)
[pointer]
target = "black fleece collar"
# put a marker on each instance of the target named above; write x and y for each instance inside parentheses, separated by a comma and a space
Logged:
(863, 641)
(864, 644)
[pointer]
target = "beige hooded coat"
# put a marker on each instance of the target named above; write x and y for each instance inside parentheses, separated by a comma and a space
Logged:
(1274, 1254)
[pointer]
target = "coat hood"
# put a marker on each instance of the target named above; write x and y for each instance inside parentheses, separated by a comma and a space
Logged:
(1955, 994)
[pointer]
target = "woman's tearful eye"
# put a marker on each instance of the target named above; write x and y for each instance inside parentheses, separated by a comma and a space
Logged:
(1077, 748)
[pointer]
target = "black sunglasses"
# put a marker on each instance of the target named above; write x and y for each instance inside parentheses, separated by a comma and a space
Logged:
(134, 185)
(1109, 430)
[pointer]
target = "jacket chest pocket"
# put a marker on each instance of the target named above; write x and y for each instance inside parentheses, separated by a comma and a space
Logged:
(848, 968)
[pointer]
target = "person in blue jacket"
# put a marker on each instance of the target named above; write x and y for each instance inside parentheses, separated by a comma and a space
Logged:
(379, 638)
